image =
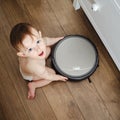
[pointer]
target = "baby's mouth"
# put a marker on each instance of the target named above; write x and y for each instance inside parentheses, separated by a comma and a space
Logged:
(41, 54)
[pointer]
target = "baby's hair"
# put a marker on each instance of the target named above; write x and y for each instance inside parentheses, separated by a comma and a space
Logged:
(18, 33)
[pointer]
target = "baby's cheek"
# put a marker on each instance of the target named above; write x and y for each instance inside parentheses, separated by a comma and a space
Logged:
(32, 54)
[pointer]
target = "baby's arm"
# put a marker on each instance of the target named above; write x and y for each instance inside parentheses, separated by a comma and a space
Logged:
(52, 41)
(43, 73)
(52, 76)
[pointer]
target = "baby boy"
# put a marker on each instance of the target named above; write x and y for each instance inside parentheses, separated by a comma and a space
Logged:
(33, 50)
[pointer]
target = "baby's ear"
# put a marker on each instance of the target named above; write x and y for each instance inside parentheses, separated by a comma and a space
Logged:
(40, 33)
(20, 54)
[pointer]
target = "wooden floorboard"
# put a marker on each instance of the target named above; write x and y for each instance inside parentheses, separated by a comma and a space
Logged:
(62, 102)
(98, 100)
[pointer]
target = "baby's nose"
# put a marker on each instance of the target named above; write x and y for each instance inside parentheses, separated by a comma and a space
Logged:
(37, 47)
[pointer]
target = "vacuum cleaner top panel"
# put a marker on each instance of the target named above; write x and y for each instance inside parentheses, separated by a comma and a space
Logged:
(75, 55)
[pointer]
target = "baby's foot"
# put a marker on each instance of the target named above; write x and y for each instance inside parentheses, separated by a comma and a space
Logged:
(31, 91)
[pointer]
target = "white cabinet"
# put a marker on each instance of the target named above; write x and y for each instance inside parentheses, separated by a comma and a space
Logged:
(105, 17)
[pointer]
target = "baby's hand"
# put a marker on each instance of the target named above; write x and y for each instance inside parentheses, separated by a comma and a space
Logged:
(59, 38)
(62, 78)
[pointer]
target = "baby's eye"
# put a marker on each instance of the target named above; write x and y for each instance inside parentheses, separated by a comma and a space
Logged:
(30, 49)
(38, 41)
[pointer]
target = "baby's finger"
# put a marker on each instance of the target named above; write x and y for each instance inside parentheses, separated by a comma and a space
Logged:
(65, 79)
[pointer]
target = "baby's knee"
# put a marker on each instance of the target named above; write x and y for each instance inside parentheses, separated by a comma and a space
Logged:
(50, 70)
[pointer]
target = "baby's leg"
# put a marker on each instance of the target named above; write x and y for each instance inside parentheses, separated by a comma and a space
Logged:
(35, 84)
(48, 50)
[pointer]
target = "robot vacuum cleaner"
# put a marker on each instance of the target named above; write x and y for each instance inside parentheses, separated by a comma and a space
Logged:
(75, 57)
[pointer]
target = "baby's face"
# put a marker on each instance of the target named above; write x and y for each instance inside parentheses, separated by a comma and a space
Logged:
(34, 47)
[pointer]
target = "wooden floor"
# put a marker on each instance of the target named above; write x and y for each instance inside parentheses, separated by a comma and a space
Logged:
(98, 100)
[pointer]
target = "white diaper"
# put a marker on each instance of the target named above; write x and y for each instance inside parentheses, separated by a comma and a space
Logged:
(26, 77)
